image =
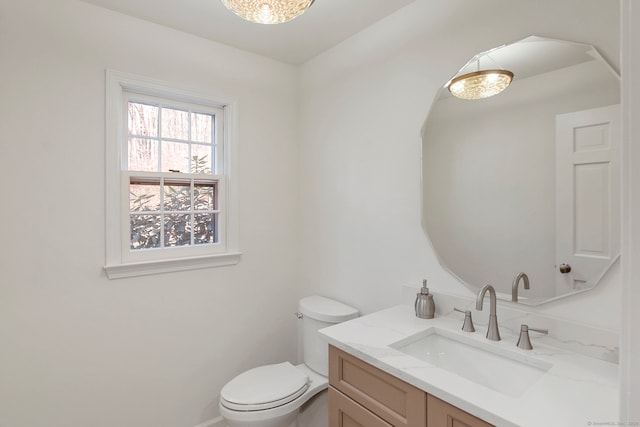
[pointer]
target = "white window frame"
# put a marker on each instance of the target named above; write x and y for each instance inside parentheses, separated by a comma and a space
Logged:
(120, 261)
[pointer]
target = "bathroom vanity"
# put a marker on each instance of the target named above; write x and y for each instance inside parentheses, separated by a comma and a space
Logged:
(362, 395)
(390, 368)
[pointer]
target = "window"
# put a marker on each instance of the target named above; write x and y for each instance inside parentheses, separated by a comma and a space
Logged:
(169, 202)
(174, 179)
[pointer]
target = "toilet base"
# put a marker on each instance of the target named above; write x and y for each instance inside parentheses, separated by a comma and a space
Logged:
(287, 420)
(314, 413)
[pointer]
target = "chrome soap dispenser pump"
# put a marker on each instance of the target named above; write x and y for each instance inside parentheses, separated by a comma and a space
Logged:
(424, 305)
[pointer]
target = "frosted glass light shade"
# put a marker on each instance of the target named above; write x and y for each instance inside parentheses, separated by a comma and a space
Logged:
(480, 84)
(268, 11)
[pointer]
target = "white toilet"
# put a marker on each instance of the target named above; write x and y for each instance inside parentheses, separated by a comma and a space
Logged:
(270, 396)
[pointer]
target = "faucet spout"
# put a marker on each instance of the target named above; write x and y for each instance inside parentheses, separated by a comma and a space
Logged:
(516, 282)
(492, 299)
(493, 333)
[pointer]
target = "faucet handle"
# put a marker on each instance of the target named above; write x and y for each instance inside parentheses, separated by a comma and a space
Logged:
(467, 326)
(524, 342)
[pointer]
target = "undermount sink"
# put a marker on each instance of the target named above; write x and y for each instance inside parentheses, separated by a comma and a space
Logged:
(487, 364)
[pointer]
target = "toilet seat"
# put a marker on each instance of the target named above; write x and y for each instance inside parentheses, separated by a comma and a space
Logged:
(264, 387)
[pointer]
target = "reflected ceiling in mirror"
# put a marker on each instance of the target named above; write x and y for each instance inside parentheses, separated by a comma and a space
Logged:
(527, 180)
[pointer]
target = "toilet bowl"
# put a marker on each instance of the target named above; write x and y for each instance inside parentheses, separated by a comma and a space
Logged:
(247, 410)
(271, 395)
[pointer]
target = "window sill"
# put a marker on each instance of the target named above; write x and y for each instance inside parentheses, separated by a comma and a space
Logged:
(119, 271)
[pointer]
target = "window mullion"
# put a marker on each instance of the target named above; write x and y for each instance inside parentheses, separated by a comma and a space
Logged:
(162, 212)
(192, 218)
(189, 152)
(158, 132)
(215, 147)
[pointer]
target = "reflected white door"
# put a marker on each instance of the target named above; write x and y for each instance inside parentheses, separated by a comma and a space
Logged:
(587, 195)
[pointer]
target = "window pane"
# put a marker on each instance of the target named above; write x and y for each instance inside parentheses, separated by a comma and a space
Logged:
(145, 231)
(143, 155)
(175, 124)
(201, 158)
(175, 157)
(143, 119)
(177, 230)
(204, 197)
(204, 229)
(144, 196)
(177, 196)
(202, 127)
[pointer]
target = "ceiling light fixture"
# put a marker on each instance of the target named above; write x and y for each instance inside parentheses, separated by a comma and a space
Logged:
(480, 84)
(268, 11)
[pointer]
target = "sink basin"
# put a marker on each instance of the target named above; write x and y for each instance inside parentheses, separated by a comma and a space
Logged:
(487, 364)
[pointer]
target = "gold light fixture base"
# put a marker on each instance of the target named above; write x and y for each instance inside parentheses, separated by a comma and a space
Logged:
(268, 11)
(480, 84)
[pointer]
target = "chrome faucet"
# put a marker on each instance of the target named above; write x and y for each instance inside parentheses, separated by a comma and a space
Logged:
(493, 333)
(516, 282)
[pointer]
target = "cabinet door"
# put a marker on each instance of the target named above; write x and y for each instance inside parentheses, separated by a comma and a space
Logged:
(398, 403)
(344, 412)
(442, 414)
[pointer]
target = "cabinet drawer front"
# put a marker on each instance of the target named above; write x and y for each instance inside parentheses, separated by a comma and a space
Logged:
(344, 412)
(442, 414)
(393, 400)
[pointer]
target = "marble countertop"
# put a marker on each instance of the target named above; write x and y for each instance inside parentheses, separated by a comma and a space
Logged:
(577, 390)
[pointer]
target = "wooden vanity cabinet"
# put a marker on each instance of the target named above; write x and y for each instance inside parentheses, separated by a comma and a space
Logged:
(344, 412)
(392, 400)
(443, 414)
(361, 395)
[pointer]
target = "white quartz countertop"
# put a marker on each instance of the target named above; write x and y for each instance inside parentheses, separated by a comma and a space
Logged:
(576, 390)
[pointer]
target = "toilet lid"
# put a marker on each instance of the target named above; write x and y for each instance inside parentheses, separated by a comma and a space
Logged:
(264, 387)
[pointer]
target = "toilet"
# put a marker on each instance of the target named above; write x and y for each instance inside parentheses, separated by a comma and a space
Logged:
(271, 395)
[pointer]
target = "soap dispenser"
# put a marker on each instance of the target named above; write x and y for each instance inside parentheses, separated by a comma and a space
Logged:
(425, 307)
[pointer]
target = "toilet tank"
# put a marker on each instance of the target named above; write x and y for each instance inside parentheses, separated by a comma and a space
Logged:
(317, 313)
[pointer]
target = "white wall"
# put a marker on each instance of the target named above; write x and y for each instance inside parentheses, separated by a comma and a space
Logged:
(630, 338)
(77, 349)
(363, 105)
(472, 165)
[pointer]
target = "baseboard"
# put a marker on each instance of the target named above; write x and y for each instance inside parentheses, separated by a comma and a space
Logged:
(216, 422)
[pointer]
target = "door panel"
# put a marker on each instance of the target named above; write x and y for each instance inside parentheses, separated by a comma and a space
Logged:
(587, 195)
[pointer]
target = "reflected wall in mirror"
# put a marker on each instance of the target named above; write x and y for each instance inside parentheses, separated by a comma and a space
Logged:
(527, 180)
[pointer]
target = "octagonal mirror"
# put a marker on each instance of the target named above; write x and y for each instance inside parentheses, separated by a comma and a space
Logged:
(527, 181)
